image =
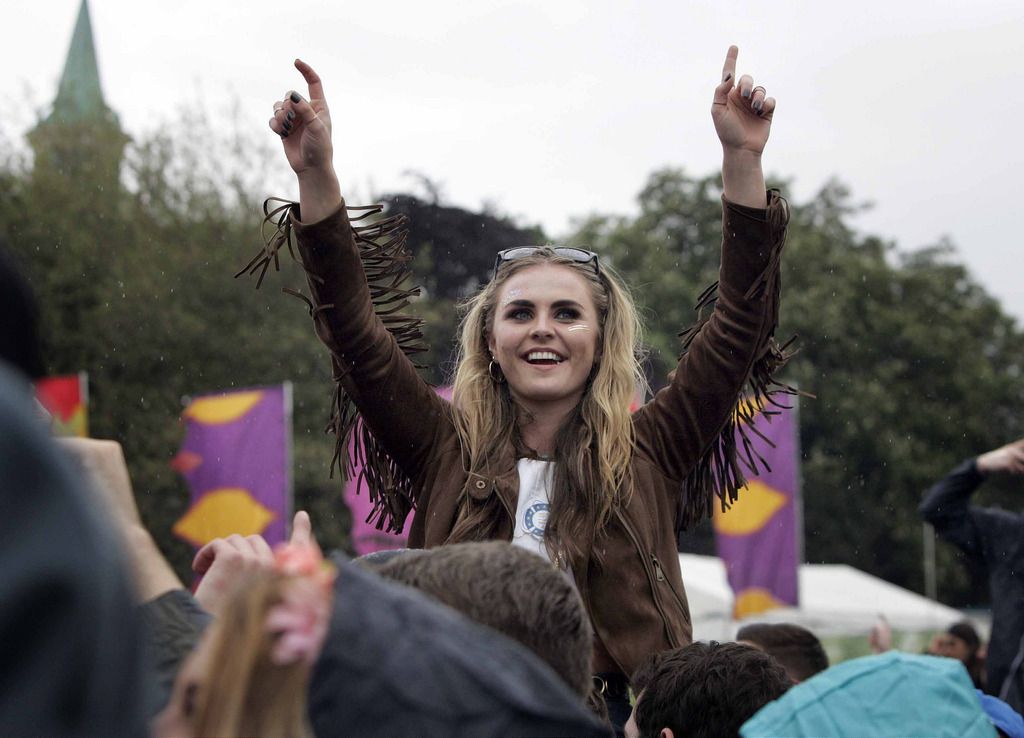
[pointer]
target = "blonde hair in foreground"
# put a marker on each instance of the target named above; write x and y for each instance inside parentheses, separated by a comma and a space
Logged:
(243, 692)
(593, 450)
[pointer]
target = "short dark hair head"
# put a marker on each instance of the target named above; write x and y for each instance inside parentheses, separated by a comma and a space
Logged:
(796, 648)
(707, 690)
(512, 590)
(966, 633)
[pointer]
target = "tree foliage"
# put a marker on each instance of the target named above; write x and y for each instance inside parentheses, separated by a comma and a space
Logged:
(913, 365)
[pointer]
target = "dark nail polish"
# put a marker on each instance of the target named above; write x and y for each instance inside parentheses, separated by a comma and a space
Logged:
(757, 105)
(287, 126)
(295, 97)
(290, 115)
(283, 135)
(727, 77)
(745, 93)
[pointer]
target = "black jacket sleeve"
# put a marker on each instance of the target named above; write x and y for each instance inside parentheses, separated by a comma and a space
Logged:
(946, 506)
(172, 626)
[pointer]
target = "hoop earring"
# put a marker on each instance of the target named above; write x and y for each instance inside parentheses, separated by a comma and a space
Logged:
(498, 378)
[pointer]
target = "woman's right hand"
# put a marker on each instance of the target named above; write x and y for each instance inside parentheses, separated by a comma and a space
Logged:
(305, 130)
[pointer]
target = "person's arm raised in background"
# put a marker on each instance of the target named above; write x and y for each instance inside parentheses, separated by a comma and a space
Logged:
(947, 504)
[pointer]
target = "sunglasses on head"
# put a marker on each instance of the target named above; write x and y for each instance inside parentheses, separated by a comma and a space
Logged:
(580, 256)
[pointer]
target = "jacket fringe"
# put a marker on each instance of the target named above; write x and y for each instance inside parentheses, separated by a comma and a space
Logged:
(718, 472)
(381, 245)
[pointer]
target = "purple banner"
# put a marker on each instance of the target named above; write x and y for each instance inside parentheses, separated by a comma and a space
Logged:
(757, 536)
(235, 458)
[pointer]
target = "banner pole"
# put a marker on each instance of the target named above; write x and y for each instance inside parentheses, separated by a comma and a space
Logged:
(83, 394)
(798, 499)
(289, 493)
(931, 590)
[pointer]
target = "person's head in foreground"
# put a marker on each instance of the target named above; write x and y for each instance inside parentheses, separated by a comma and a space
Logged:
(796, 648)
(250, 673)
(511, 590)
(892, 694)
(704, 690)
(554, 332)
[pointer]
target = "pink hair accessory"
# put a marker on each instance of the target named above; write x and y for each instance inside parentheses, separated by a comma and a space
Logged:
(301, 619)
(304, 560)
(300, 622)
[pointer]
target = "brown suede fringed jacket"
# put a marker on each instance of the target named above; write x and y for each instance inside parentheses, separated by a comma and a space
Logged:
(685, 452)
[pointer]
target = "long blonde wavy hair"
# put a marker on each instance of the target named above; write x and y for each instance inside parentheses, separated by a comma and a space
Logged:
(594, 447)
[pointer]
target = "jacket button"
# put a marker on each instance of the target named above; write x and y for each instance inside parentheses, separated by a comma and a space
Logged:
(480, 484)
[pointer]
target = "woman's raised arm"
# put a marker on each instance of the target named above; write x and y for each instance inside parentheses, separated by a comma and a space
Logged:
(305, 130)
(356, 271)
(687, 429)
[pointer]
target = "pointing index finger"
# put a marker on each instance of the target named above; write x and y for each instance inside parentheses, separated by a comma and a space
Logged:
(729, 68)
(316, 88)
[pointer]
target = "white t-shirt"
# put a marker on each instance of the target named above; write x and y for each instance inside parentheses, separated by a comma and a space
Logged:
(536, 478)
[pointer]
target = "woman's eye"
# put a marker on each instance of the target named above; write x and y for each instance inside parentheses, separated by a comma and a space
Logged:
(567, 314)
(519, 314)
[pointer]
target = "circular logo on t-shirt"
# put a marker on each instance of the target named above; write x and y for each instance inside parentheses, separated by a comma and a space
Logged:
(536, 519)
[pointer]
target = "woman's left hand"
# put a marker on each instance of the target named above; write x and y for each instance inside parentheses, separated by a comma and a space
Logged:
(741, 111)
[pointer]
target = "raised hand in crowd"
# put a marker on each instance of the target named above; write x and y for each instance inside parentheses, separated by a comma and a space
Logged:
(222, 561)
(880, 637)
(1008, 459)
(104, 467)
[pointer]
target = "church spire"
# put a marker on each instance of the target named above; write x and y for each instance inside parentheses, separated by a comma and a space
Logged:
(81, 140)
(80, 97)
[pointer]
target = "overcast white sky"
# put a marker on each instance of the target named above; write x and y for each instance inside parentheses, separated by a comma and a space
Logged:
(555, 108)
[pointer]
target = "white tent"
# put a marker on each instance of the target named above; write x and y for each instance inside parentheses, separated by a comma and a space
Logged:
(835, 599)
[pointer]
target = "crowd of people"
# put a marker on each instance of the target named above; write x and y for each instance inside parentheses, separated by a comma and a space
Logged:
(542, 593)
(469, 639)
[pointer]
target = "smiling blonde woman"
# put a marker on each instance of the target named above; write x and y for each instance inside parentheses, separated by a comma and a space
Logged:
(538, 445)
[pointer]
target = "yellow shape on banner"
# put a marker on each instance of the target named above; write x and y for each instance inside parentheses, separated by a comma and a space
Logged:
(749, 407)
(76, 425)
(754, 600)
(755, 507)
(222, 408)
(220, 513)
